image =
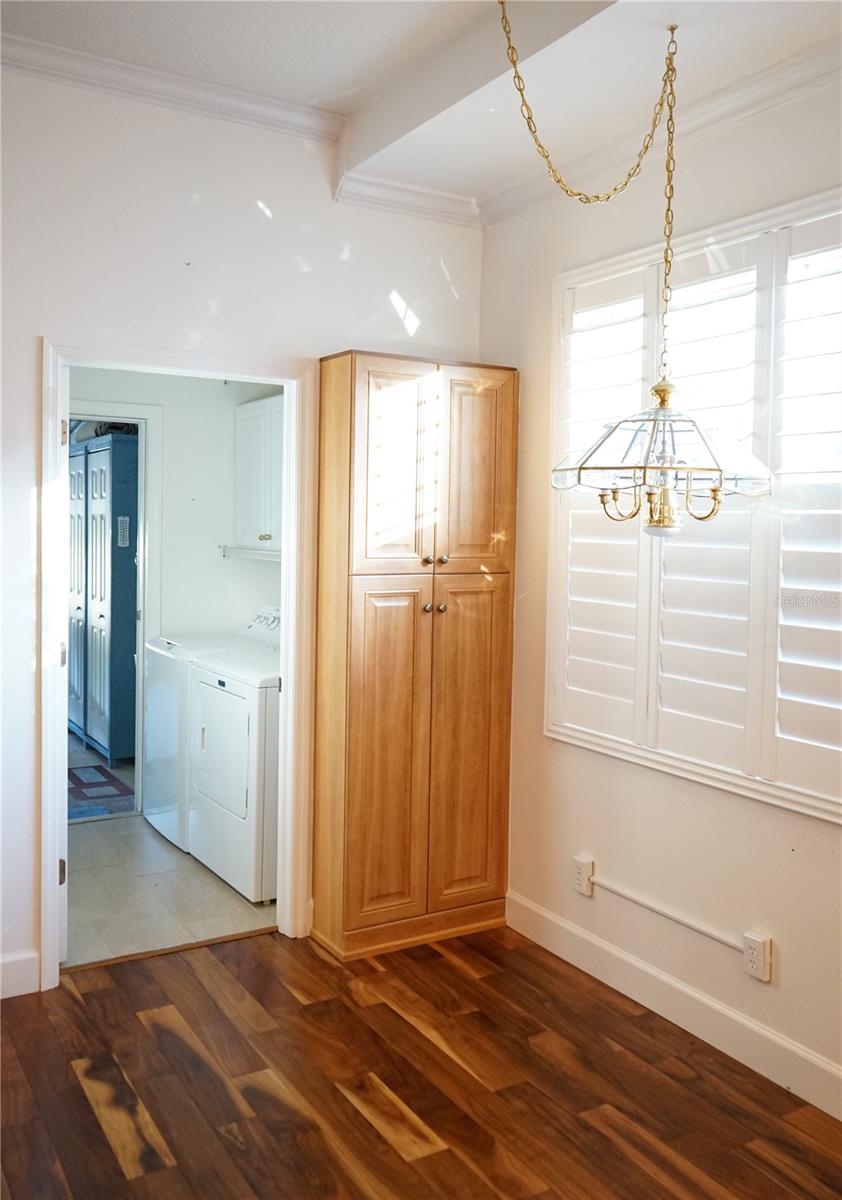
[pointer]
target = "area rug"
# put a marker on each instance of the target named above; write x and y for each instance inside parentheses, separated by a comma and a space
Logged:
(95, 791)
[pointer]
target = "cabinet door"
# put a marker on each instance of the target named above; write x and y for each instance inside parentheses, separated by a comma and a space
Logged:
(250, 475)
(273, 472)
(393, 467)
(388, 749)
(99, 597)
(469, 762)
(476, 470)
(78, 593)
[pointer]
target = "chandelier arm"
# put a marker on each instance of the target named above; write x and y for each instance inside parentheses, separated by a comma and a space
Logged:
(716, 501)
(667, 79)
(618, 515)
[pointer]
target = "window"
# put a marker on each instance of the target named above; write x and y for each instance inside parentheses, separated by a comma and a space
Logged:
(716, 654)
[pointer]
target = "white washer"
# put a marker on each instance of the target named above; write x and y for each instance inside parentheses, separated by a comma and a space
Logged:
(233, 769)
(166, 727)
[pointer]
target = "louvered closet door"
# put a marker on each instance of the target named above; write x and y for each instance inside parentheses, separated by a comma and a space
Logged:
(77, 597)
(469, 771)
(393, 497)
(476, 456)
(99, 594)
(388, 749)
(808, 461)
(705, 568)
(593, 685)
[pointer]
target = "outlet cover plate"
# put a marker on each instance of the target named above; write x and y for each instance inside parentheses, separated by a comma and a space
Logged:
(584, 869)
(757, 955)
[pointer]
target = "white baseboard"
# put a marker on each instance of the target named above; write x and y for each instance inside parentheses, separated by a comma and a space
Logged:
(20, 973)
(789, 1063)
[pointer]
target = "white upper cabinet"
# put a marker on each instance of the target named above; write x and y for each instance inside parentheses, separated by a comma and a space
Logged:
(258, 431)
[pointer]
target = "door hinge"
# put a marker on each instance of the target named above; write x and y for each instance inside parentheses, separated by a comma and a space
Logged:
(62, 655)
(62, 871)
(63, 432)
(280, 684)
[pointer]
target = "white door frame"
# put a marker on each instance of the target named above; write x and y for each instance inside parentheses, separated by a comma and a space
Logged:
(298, 543)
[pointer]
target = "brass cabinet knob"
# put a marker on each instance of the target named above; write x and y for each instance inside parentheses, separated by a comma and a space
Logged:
(442, 608)
(444, 559)
(429, 560)
(428, 608)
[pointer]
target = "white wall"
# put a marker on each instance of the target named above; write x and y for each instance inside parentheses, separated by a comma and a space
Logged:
(138, 225)
(200, 590)
(733, 863)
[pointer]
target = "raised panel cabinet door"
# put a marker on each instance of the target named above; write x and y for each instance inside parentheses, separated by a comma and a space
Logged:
(393, 468)
(469, 757)
(476, 470)
(273, 472)
(251, 431)
(388, 749)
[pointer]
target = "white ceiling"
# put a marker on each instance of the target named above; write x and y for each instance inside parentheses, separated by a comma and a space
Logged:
(425, 86)
(597, 84)
(330, 54)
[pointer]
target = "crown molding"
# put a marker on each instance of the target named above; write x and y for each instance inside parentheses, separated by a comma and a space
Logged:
(790, 79)
(409, 199)
(173, 91)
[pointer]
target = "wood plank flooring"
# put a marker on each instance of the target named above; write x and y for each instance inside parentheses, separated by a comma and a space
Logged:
(479, 1068)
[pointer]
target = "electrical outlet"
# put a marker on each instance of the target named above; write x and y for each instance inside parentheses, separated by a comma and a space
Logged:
(757, 955)
(584, 870)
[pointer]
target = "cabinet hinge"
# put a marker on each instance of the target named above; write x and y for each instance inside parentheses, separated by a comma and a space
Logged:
(62, 655)
(63, 432)
(62, 871)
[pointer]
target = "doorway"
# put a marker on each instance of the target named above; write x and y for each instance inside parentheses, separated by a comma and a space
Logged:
(98, 836)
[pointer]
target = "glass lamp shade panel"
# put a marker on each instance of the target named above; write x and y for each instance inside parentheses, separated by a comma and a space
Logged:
(660, 448)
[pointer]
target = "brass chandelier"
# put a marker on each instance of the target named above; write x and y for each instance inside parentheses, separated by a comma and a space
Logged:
(656, 458)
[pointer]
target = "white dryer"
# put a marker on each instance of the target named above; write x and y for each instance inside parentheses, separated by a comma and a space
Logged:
(233, 768)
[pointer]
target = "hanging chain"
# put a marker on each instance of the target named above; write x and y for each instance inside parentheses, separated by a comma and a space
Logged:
(667, 81)
(669, 192)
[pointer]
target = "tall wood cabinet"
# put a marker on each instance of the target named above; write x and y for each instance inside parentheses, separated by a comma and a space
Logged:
(414, 642)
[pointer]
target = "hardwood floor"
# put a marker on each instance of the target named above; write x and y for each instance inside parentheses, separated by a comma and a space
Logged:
(481, 1067)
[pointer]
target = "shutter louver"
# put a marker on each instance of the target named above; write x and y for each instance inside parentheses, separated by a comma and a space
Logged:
(604, 358)
(808, 460)
(702, 663)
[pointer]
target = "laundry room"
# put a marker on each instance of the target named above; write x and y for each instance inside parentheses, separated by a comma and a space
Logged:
(173, 659)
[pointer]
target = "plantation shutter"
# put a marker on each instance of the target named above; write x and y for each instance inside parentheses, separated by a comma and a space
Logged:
(807, 458)
(604, 347)
(704, 596)
(722, 645)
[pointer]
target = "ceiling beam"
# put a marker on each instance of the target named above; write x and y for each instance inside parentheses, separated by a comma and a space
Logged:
(458, 70)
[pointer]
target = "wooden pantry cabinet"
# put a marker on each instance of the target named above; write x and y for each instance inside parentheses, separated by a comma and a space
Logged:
(417, 488)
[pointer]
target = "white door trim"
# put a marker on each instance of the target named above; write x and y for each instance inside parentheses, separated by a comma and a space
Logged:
(298, 538)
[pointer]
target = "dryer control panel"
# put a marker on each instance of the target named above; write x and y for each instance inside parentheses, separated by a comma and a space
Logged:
(265, 626)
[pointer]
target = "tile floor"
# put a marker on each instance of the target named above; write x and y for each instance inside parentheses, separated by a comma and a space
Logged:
(130, 890)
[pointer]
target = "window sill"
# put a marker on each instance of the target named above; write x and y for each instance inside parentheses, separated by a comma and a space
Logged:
(823, 808)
